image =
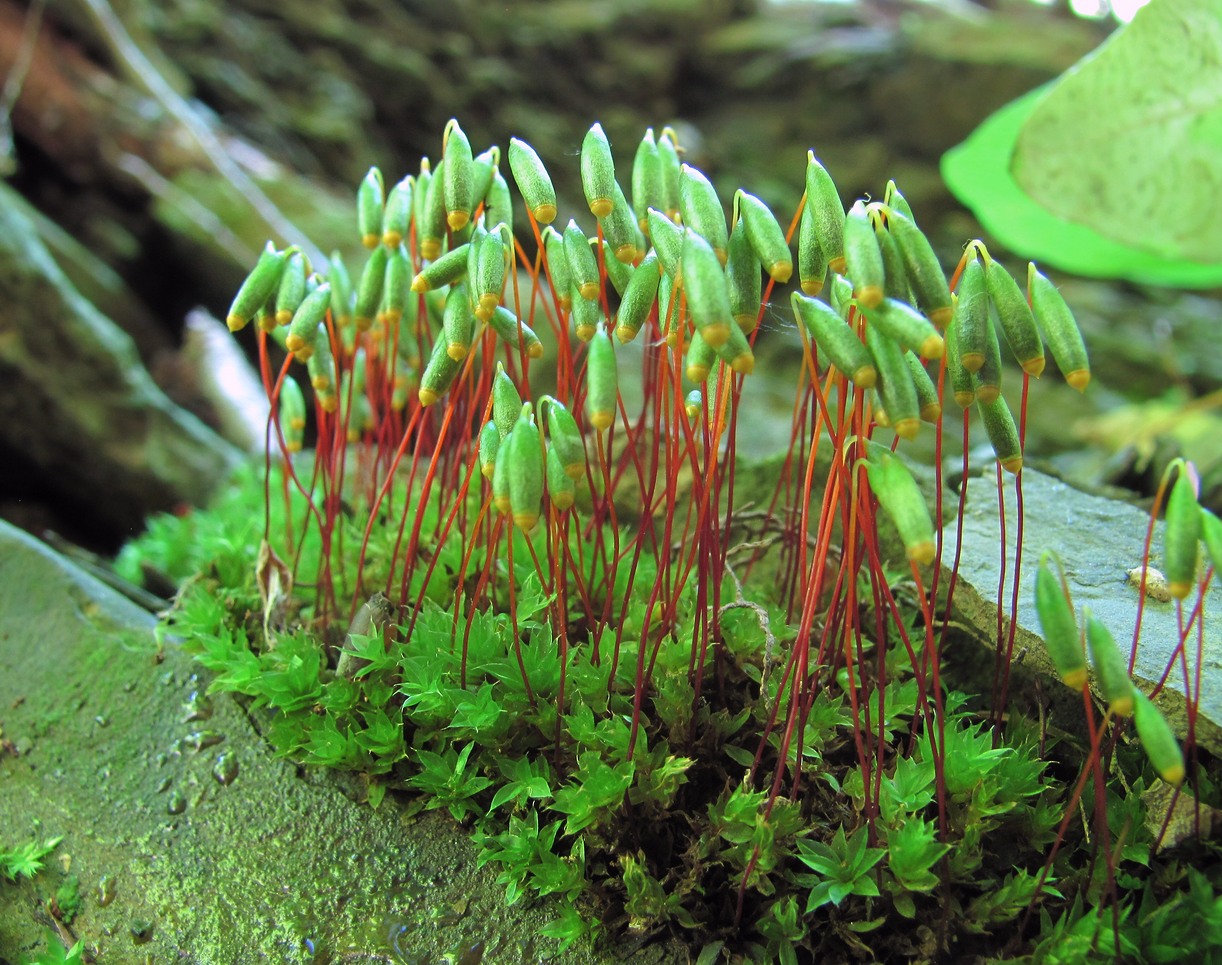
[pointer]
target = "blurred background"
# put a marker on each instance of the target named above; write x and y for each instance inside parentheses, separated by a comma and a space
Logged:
(151, 147)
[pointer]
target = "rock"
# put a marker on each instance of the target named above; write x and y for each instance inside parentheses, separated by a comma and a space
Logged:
(221, 854)
(79, 406)
(1098, 541)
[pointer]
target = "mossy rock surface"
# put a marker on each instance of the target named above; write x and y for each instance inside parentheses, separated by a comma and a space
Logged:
(277, 862)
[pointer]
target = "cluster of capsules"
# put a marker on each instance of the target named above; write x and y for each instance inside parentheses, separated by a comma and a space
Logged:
(442, 270)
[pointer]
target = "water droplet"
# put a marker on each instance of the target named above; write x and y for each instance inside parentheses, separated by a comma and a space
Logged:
(198, 740)
(142, 931)
(105, 892)
(177, 803)
(225, 770)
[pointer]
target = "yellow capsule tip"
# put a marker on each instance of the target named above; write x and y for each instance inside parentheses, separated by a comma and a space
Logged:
(1012, 464)
(457, 351)
(236, 322)
(602, 420)
(544, 213)
(838, 265)
(525, 521)
(922, 552)
(871, 296)
(865, 377)
(1079, 379)
(744, 364)
(1179, 589)
(457, 220)
(932, 347)
(941, 316)
(1173, 775)
(716, 334)
(907, 428)
(589, 290)
(781, 271)
(392, 239)
(370, 240)
(420, 284)
(987, 394)
(972, 361)
(1075, 679)
(427, 397)
(1034, 367)
(812, 287)
(601, 207)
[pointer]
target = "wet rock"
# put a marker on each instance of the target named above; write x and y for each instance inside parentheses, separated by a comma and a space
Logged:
(1098, 541)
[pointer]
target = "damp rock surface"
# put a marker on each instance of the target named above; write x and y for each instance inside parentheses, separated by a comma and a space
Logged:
(1098, 541)
(176, 864)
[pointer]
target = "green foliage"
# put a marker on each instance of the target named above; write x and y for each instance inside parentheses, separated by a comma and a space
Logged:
(842, 868)
(56, 954)
(26, 860)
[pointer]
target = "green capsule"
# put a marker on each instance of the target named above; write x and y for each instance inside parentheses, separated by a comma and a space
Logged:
(897, 202)
(702, 211)
(500, 478)
(370, 198)
(489, 444)
(1110, 667)
(704, 284)
(525, 472)
(598, 172)
(557, 266)
(863, 257)
(561, 487)
(646, 180)
(927, 392)
(971, 314)
(443, 271)
(619, 273)
(1002, 433)
(583, 266)
(1181, 536)
(836, 340)
(895, 385)
(900, 496)
(397, 216)
(700, 358)
(743, 283)
(827, 211)
(498, 206)
(1211, 534)
(292, 287)
(303, 329)
(321, 363)
(458, 323)
(292, 414)
(672, 173)
(1017, 322)
(259, 288)
(483, 171)
(396, 291)
(988, 376)
(693, 403)
(736, 352)
(1158, 739)
(1059, 626)
(812, 261)
(585, 317)
(369, 288)
(620, 231)
(506, 402)
(841, 296)
(431, 226)
(1060, 330)
(962, 382)
(342, 296)
(565, 438)
(667, 238)
(420, 197)
(534, 183)
(907, 326)
(601, 381)
(765, 235)
(438, 375)
(639, 298)
(458, 176)
(894, 273)
(515, 333)
(489, 280)
(925, 275)
(673, 316)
